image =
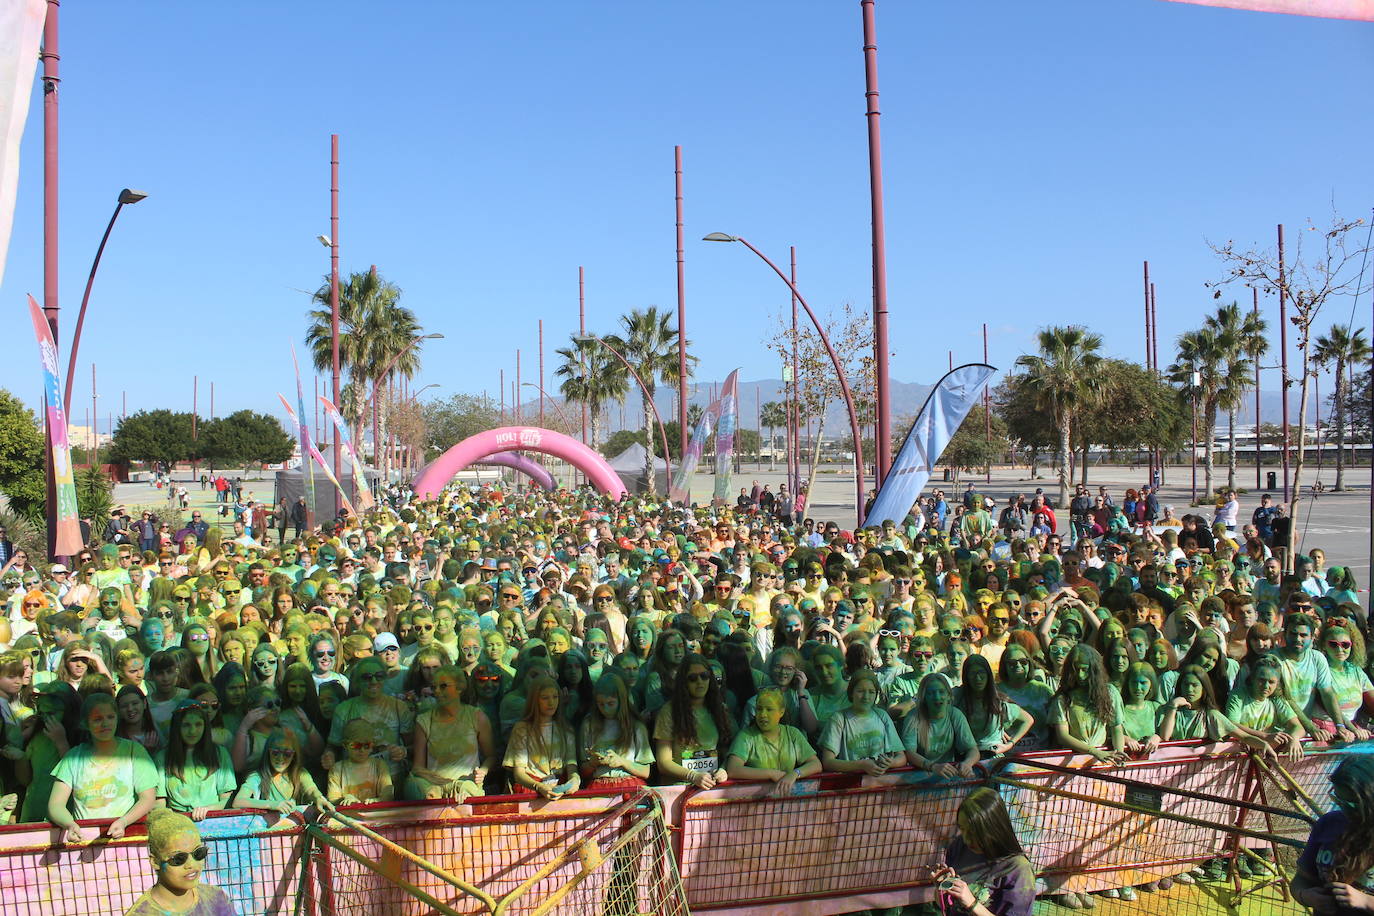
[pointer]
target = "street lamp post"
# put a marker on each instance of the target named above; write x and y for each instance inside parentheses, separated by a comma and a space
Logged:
(126, 196)
(875, 182)
(1194, 380)
(557, 408)
(834, 359)
(334, 295)
(648, 396)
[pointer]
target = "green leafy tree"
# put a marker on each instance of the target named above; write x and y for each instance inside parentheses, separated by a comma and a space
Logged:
(154, 435)
(1064, 379)
(621, 440)
(450, 420)
(1018, 406)
(970, 446)
(22, 460)
(648, 341)
(1339, 349)
(1133, 410)
(245, 437)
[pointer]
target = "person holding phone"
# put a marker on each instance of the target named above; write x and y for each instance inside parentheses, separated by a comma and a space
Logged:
(985, 872)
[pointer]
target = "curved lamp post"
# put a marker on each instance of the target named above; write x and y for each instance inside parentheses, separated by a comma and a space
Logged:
(562, 414)
(839, 369)
(126, 196)
(662, 430)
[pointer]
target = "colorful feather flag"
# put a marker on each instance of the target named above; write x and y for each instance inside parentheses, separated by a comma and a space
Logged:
(359, 473)
(68, 541)
(311, 452)
(1362, 10)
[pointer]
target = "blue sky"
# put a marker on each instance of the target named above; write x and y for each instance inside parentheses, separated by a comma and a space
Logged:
(1035, 153)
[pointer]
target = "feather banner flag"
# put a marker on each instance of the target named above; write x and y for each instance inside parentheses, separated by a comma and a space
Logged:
(68, 542)
(1362, 10)
(680, 491)
(728, 414)
(21, 28)
(944, 410)
(359, 474)
(311, 452)
(303, 433)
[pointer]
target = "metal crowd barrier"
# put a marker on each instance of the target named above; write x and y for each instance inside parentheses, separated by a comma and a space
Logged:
(836, 844)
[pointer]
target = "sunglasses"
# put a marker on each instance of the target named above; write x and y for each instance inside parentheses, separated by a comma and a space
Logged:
(325, 653)
(374, 676)
(182, 598)
(199, 637)
(1338, 644)
(426, 627)
(359, 745)
(893, 634)
(602, 599)
(176, 860)
(698, 677)
(488, 678)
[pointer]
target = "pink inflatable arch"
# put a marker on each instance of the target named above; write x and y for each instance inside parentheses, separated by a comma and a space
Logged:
(440, 471)
(518, 462)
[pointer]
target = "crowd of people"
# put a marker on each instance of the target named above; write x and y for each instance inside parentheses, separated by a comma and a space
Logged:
(522, 642)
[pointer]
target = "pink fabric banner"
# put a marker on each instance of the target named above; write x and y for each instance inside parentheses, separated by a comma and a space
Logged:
(21, 25)
(1362, 10)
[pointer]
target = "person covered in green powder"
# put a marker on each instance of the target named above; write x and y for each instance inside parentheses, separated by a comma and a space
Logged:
(178, 855)
(768, 749)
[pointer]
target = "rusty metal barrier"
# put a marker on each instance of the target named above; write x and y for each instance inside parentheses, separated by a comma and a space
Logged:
(838, 843)
(255, 858)
(504, 856)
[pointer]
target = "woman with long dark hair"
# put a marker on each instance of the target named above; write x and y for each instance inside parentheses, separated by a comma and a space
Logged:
(1336, 871)
(692, 732)
(985, 870)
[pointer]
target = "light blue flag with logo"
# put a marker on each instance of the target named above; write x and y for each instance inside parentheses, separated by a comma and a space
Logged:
(945, 409)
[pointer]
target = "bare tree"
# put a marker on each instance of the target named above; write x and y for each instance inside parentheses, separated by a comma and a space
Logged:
(1309, 276)
(851, 334)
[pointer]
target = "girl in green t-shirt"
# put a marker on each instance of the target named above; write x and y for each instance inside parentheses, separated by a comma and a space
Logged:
(766, 749)
(195, 775)
(1139, 709)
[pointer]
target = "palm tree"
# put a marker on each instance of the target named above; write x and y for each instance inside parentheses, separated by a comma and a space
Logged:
(649, 343)
(1342, 349)
(370, 320)
(1202, 358)
(591, 376)
(1242, 334)
(772, 415)
(394, 332)
(1063, 377)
